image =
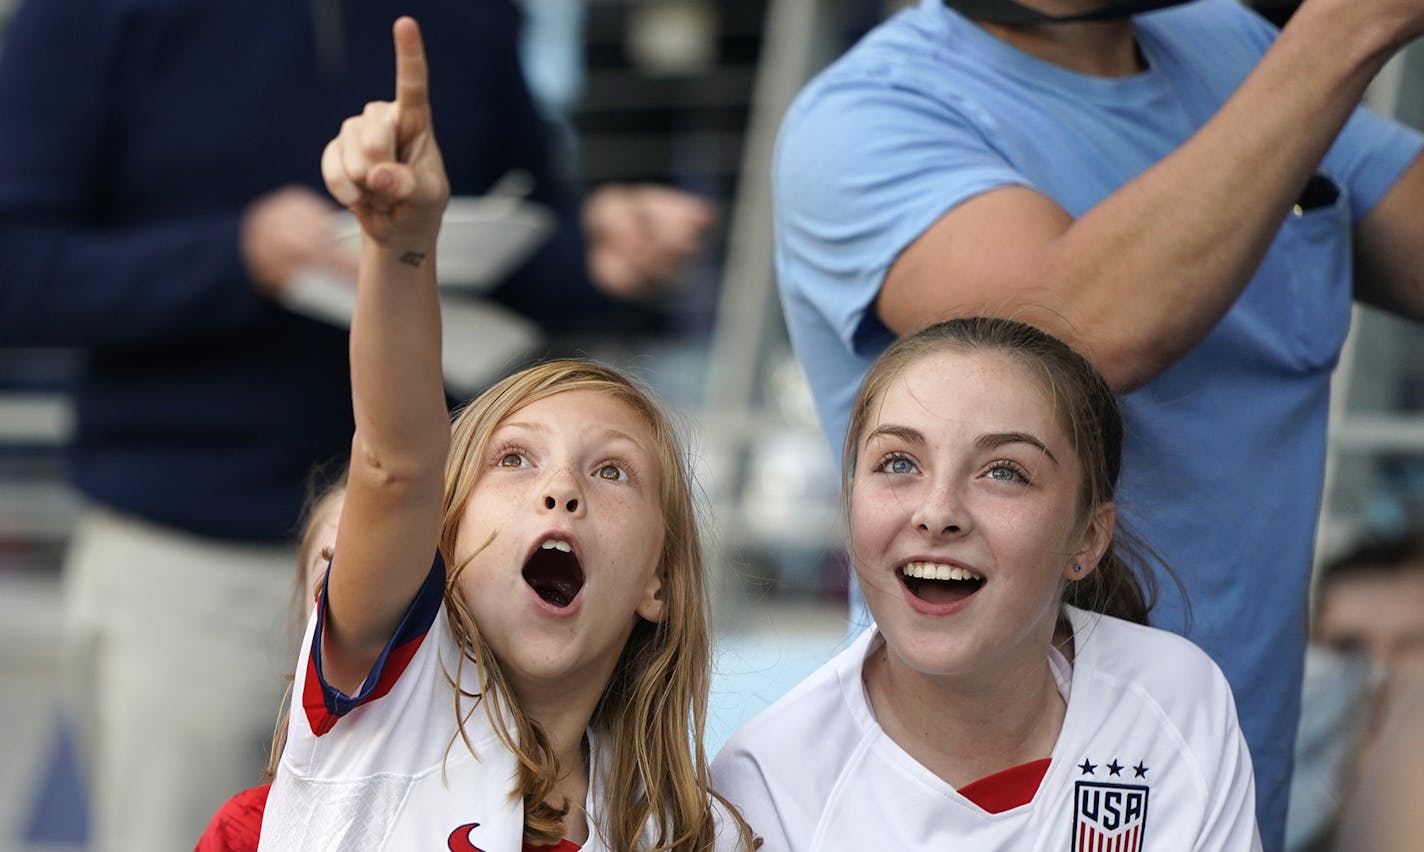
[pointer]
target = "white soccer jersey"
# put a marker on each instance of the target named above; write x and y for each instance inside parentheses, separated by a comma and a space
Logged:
(1150, 758)
(386, 770)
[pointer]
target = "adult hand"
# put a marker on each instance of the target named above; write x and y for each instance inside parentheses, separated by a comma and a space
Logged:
(287, 230)
(642, 236)
(384, 164)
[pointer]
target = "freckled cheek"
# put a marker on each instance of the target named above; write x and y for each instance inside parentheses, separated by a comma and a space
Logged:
(480, 543)
(870, 532)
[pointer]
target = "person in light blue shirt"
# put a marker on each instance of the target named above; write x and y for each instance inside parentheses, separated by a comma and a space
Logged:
(1185, 196)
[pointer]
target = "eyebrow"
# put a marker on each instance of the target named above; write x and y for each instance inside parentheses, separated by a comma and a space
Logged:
(987, 441)
(607, 433)
(904, 433)
(998, 439)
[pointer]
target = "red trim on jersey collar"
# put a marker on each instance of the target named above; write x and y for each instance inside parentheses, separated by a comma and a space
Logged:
(1006, 790)
(564, 846)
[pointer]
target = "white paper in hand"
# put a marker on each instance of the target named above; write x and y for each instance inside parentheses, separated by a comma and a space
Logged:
(480, 342)
(482, 238)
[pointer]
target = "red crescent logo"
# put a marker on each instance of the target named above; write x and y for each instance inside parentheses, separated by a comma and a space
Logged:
(460, 839)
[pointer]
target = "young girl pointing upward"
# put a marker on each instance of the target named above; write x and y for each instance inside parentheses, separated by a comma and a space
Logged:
(1004, 700)
(512, 647)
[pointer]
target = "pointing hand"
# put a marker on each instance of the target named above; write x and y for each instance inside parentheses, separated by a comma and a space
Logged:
(384, 164)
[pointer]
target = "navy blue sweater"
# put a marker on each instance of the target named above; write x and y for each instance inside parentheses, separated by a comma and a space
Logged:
(132, 135)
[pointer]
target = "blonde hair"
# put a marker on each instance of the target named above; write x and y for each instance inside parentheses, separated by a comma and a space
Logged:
(652, 712)
(1086, 408)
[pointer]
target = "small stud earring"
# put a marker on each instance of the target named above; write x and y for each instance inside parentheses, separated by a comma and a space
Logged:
(1077, 568)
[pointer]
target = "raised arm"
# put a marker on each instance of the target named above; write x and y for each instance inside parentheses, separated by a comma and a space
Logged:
(385, 166)
(1145, 275)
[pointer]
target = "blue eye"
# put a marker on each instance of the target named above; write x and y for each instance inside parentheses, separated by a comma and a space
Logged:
(896, 464)
(612, 472)
(1005, 472)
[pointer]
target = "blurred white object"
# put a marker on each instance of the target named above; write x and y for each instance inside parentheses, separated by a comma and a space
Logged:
(321, 293)
(791, 505)
(792, 496)
(671, 37)
(482, 239)
(480, 342)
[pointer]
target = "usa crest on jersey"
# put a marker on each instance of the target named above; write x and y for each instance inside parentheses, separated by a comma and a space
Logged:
(1109, 817)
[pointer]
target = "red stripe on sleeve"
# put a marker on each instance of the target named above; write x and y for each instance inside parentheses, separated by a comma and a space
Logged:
(319, 717)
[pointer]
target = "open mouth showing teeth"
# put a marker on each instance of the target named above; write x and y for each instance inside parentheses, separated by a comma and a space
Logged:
(553, 573)
(939, 584)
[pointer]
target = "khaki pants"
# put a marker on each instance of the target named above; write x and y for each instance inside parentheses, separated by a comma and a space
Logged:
(180, 646)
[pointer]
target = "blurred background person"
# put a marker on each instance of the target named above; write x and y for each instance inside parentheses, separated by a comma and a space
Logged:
(143, 223)
(1365, 660)
(1370, 602)
(237, 825)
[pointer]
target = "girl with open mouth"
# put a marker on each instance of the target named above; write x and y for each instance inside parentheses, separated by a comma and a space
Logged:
(511, 648)
(1009, 696)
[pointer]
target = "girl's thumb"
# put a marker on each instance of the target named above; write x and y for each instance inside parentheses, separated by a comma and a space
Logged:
(391, 181)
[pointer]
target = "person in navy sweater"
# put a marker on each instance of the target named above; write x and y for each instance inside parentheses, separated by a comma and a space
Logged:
(158, 188)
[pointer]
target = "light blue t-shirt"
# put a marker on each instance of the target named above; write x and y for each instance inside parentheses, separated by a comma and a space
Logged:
(1224, 457)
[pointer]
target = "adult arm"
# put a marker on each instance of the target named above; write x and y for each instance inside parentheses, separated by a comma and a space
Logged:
(1389, 249)
(1014, 252)
(77, 265)
(386, 167)
(65, 276)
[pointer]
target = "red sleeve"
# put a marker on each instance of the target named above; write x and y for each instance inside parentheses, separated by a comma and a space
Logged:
(237, 824)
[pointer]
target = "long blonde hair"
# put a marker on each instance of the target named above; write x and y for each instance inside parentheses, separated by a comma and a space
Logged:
(653, 710)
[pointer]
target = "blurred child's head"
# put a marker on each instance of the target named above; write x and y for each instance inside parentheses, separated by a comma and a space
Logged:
(318, 539)
(314, 545)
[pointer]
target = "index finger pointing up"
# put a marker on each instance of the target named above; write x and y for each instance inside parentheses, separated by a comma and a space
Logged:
(412, 93)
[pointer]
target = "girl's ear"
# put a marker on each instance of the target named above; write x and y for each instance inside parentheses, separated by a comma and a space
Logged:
(650, 608)
(1095, 538)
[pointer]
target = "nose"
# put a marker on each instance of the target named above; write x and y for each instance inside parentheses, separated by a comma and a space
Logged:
(561, 492)
(941, 512)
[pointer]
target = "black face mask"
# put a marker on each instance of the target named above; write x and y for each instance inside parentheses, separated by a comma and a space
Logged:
(1012, 14)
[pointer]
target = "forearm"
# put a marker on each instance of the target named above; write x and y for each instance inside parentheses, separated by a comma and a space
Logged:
(1389, 254)
(1146, 275)
(398, 395)
(391, 519)
(80, 262)
(87, 286)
